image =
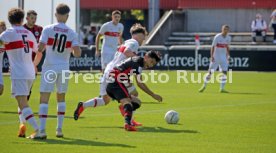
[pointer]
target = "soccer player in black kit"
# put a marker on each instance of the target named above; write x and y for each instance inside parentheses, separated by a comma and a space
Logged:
(121, 73)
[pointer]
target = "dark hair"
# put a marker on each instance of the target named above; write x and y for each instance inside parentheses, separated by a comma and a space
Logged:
(138, 28)
(62, 9)
(31, 12)
(16, 15)
(116, 12)
(154, 54)
(226, 26)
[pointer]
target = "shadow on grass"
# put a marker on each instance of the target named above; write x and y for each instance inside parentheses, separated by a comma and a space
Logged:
(36, 114)
(151, 129)
(245, 93)
(150, 102)
(72, 141)
(165, 130)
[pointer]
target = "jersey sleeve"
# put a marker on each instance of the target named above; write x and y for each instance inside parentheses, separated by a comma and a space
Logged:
(44, 36)
(215, 41)
(75, 41)
(103, 29)
(4, 38)
(132, 46)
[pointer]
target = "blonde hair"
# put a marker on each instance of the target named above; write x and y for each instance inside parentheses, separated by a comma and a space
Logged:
(2, 23)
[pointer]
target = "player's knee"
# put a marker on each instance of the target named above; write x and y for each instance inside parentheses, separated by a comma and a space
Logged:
(134, 93)
(106, 99)
(128, 107)
(135, 105)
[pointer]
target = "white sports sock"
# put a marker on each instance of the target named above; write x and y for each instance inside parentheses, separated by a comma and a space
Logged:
(95, 102)
(132, 118)
(21, 117)
(223, 80)
(61, 106)
(29, 117)
(206, 79)
(43, 114)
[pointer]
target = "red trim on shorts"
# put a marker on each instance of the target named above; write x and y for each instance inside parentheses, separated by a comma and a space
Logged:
(61, 113)
(122, 87)
(112, 34)
(95, 104)
(20, 113)
(43, 116)
(28, 117)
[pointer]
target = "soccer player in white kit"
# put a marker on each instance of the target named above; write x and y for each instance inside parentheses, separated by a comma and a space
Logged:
(220, 55)
(2, 50)
(19, 45)
(128, 49)
(112, 32)
(59, 40)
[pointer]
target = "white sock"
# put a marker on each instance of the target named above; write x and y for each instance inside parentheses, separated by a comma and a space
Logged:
(43, 114)
(61, 106)
(223, 80)
(21, 117)
(94, 102)
(206, 79)
(29, 117)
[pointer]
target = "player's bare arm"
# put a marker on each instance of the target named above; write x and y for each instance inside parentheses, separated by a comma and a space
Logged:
(76, 51)
(145, 88)
(98, 53)
(129, 53)
(37, 59)
(212, 54)
(41, 47)
(120, 39)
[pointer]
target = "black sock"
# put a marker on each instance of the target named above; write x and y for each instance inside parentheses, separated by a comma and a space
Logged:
(128, 113)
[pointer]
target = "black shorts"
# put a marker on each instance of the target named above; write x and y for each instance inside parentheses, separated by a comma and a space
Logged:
(117, 91)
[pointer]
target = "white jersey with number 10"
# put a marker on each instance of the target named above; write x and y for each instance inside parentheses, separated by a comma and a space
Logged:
(59, 40)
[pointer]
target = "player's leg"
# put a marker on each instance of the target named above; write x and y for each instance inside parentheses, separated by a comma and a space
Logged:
(213, 66)
(62, 86)
(46, 88)
(223, 76)
(94, 102)
(119, 92)
(136, 103)
(20, 90)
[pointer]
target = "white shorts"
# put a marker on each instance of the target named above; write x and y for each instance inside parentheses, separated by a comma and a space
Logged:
(107, 56)
(21, 87)
(222, 64)
(48, 82)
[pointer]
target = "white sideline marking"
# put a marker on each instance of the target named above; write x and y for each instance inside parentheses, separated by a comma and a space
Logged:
(156, 111)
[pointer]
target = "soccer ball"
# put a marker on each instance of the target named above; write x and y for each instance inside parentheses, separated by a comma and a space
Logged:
(171, 117)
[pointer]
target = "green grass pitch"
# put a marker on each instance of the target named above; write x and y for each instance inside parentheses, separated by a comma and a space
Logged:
(242, 121)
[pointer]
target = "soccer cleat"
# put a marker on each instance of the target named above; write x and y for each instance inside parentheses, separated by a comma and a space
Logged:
(130, 127)
(202, 89)
(42, 134)
(223, 91)
(22, 131)
(78, 110)
(59, 133)
(121, 108)
(35, 135)
(134, 123)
